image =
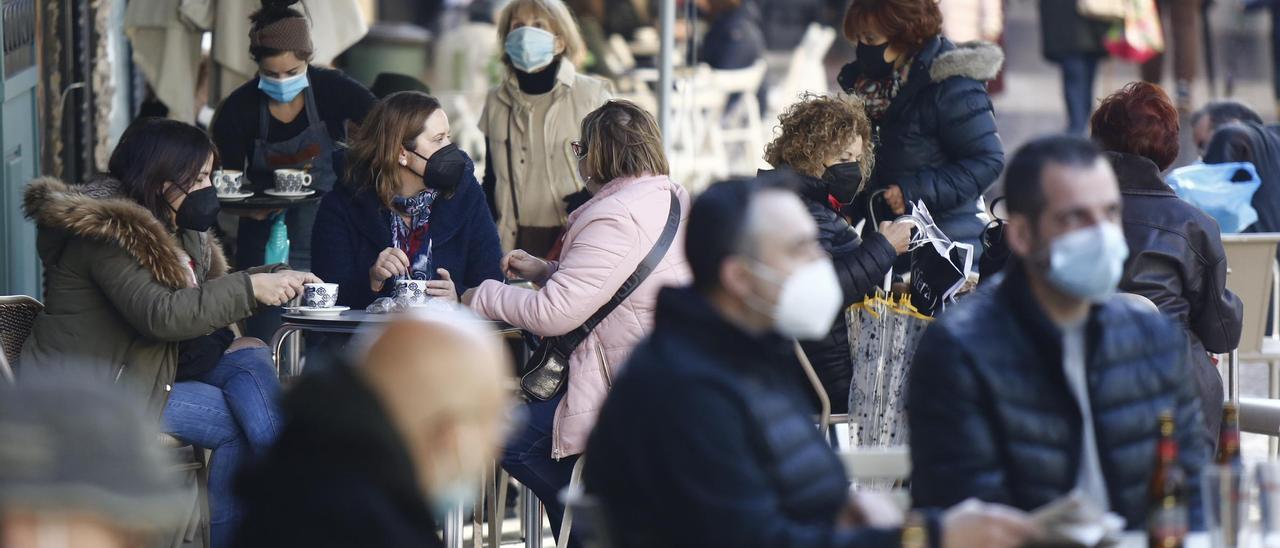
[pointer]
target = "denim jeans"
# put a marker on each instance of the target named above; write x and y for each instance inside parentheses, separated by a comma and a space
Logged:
(1078, 72)
(527, 458)
(232, 410)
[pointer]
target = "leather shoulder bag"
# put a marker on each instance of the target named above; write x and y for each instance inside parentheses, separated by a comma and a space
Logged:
(548, 367)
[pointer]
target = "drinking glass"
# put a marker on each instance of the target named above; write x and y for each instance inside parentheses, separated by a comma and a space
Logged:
(1224, 489)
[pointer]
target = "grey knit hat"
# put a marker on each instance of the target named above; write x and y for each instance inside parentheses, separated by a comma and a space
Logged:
(72, 443)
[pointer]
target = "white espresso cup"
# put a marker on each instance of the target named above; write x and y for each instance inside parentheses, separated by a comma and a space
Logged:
(318, 295)
(413, 291)
(292, 180)
(227, 181)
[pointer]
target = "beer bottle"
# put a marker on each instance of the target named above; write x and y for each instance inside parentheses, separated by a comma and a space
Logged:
(1229, 437)
(1229, 476)
(1166, 496)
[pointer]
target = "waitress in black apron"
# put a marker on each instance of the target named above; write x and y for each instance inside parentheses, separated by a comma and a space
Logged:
(292, 116)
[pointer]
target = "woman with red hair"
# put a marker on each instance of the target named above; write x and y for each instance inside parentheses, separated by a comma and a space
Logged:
(935, 133)
(1175, 250)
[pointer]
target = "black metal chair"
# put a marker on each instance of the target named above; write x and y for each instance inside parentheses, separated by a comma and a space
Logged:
(17, 317)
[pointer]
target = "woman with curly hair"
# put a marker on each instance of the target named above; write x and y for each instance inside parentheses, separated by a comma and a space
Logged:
(826, 141)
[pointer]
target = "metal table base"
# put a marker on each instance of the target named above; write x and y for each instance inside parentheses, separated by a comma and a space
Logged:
(351, 323)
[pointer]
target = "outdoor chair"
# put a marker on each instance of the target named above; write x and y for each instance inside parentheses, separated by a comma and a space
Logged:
(1252, 276)
(17, 317)
(805, 71)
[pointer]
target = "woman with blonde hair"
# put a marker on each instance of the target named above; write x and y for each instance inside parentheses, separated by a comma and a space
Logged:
(826, 141)
(530, 120)
(607, 239)
(411, 208)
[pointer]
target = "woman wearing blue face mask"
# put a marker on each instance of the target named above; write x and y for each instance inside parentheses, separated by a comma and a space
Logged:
(290, 117)
(530, 121)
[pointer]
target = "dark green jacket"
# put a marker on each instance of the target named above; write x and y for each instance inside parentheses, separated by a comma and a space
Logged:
(118, 297)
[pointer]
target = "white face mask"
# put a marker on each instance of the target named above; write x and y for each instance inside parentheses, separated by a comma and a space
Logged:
(1088, 262)
(808, 301)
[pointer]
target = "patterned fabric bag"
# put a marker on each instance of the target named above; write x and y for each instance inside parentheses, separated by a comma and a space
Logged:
(883, 335)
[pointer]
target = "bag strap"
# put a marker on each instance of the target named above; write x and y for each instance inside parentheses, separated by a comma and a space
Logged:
(570, 341)
(511, 173)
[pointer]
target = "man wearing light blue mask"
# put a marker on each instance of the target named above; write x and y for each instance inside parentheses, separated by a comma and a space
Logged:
(1044, 382)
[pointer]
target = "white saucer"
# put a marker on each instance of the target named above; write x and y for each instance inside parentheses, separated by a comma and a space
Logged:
(281, 194)
(235, 196)
(311, 311)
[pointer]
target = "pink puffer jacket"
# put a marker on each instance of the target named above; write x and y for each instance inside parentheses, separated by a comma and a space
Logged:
(605, 241)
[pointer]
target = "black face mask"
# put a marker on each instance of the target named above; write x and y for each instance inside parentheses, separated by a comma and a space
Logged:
(199, 211)
(444, 168)
(844, 180)
(871, 59)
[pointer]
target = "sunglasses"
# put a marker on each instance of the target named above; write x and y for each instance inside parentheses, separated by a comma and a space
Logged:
(579, 149)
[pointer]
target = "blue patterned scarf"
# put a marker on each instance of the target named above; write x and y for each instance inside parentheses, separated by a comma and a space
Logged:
(418, 208)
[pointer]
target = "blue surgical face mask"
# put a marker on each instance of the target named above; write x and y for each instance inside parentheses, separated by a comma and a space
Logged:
(1087, 263)
(283, 90)
(531, 49)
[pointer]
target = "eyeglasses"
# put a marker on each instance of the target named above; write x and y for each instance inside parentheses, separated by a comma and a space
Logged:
(579, 149)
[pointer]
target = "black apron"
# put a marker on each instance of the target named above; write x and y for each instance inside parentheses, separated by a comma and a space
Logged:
(310, 151)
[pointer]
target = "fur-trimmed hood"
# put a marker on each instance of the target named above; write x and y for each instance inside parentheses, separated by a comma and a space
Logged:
(99, 211)
(979, 61)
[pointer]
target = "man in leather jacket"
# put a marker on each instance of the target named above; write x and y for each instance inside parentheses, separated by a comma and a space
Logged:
(1041, 384)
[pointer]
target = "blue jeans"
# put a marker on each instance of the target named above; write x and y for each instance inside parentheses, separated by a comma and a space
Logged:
(527, 458)
(1078, 72)
(232, 410)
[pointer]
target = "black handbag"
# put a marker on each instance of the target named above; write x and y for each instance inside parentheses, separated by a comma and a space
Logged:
(548, 367)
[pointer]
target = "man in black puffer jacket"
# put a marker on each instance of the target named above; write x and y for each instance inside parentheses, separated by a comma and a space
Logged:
(706, 438)
(1040, 384)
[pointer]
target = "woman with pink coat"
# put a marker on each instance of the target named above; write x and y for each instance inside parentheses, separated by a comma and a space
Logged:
(621, 161)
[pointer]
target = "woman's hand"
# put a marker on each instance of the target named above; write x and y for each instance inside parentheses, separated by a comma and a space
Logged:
(898, 234)
(519, 264)
(893, 199)
(391, 262)
(975, 523)
(278, 288)
(442, 288)
(468, 296)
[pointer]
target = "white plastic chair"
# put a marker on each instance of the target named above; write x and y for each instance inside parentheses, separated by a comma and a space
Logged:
(805, 70)
(739, 127)
(1253, 276)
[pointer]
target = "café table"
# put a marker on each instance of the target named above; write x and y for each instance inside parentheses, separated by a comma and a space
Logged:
(346, 322)
(353, 321)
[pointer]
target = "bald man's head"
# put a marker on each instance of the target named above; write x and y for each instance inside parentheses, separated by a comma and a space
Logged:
(443, 380)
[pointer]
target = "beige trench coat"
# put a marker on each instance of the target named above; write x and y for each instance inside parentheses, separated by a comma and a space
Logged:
(507, 115)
